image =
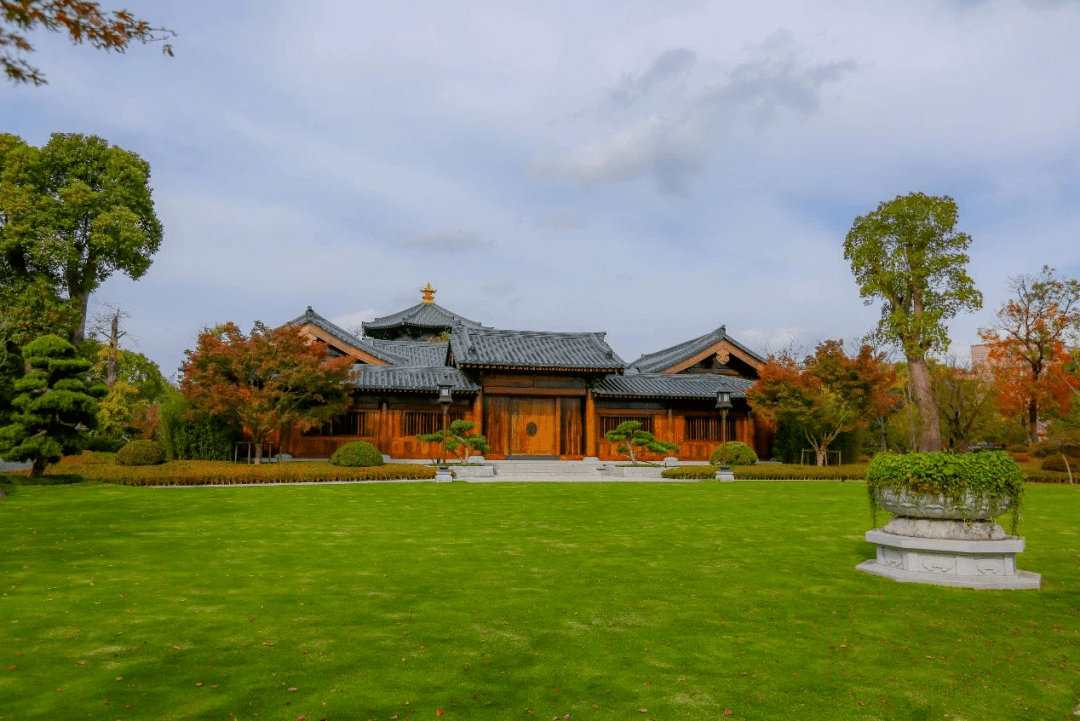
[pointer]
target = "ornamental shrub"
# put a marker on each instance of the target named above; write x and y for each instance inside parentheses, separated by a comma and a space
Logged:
(738, 454)
(358, 454)
(104, 444)
(1017, 448)
(1056, 462)
(994, 474)
(140, 453)
(698, 473)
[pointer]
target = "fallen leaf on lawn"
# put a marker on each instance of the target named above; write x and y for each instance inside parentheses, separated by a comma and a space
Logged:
(439, 712)
(175, 647)
(727, 712)
(643, 710)
(119, 678)
(80, 663)
(292, 689)
(198, 683)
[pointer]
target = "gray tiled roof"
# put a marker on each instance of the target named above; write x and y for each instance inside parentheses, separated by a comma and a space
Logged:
(661, 359)
(670, 385)
(538, 350)
(415, 352)
(424, 315)
(315, 319)
(401, 378)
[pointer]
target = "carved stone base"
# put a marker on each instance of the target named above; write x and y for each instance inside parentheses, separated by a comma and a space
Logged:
(945, 562)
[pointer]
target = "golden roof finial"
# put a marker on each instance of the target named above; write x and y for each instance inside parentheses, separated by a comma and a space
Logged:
(428, 294)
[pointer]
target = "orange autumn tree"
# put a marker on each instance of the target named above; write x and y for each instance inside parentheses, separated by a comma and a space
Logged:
(265, 381)
(828, 394)
(1028, 346)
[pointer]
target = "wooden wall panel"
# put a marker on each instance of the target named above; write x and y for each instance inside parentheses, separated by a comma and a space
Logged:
(573, 428)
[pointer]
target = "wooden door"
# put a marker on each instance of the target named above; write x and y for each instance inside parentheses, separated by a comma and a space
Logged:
(532, 427)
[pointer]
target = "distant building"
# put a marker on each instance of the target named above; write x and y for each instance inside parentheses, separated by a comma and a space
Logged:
(535, 394)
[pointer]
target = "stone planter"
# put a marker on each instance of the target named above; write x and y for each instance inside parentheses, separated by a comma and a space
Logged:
(934, 540)
(918, 505)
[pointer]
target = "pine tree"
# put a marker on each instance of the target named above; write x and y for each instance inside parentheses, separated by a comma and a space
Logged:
(54, 405)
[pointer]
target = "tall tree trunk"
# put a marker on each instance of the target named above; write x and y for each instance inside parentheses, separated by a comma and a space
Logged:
(929, 428)
(82, 300)
(1033, 420)
(114, 341)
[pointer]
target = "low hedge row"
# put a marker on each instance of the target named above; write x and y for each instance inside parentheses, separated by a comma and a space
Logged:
(224, 473)
(697, 473)
(773, 472)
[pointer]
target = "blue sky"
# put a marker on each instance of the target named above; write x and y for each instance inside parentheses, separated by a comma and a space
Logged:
(652, 169)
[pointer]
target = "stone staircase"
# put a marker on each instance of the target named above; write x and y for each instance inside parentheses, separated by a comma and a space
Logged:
(547, 471)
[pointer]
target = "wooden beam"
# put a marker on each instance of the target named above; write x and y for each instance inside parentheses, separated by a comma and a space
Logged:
(519, 391)
(721, 346)
(312, 331)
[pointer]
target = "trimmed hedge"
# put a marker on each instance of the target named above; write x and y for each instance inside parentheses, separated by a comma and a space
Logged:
(140, 453)
(699, 473)
(738, 454)
(358, 454)
(224, 473)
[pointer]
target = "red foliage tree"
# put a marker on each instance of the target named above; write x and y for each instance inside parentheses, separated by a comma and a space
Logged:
(828, 394)
(81, 20)
(1028, 346)
(265, 381)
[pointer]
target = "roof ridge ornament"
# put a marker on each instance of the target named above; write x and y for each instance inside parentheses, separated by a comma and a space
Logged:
(427, 294)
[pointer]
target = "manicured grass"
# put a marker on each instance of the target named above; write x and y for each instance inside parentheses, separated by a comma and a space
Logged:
(523, 601)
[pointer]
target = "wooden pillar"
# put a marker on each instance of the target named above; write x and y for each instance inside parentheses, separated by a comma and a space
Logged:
(590, 424)
(383, 441)
(478, 413)
(670, 433)
(558, 426)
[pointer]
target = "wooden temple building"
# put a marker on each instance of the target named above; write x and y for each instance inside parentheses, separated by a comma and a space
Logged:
(536, 394)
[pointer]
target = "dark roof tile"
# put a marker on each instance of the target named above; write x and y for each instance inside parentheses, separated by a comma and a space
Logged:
(539, 350)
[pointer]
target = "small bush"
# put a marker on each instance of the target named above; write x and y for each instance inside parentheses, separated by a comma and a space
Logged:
(1057, 463)
(738, 454)
(358, 454)
(1020, 457)
(699, 473)
(141, 453)
(104, 444)
(1017, 448)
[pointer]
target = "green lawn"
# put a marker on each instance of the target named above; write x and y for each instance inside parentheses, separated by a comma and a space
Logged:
(523, 601)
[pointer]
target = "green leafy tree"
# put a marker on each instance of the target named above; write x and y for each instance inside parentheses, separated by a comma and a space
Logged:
(909, 255)
(72, 213)
(629, 435)
(81, 20)
(54, 405)
(965, 405)
(458, 437)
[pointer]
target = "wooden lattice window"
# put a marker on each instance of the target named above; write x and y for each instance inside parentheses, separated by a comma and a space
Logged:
(350, 423)
(422, 423)
(707, 428)
(610, 423)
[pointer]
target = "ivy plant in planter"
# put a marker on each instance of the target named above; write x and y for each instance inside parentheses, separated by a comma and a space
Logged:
(975, 485)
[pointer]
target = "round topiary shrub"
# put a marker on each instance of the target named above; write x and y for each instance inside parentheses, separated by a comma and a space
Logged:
(140, 453)
(357, 454)
(1017, 448)
(738, 454)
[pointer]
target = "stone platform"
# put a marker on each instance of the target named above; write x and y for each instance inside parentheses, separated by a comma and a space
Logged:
(949, 562)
